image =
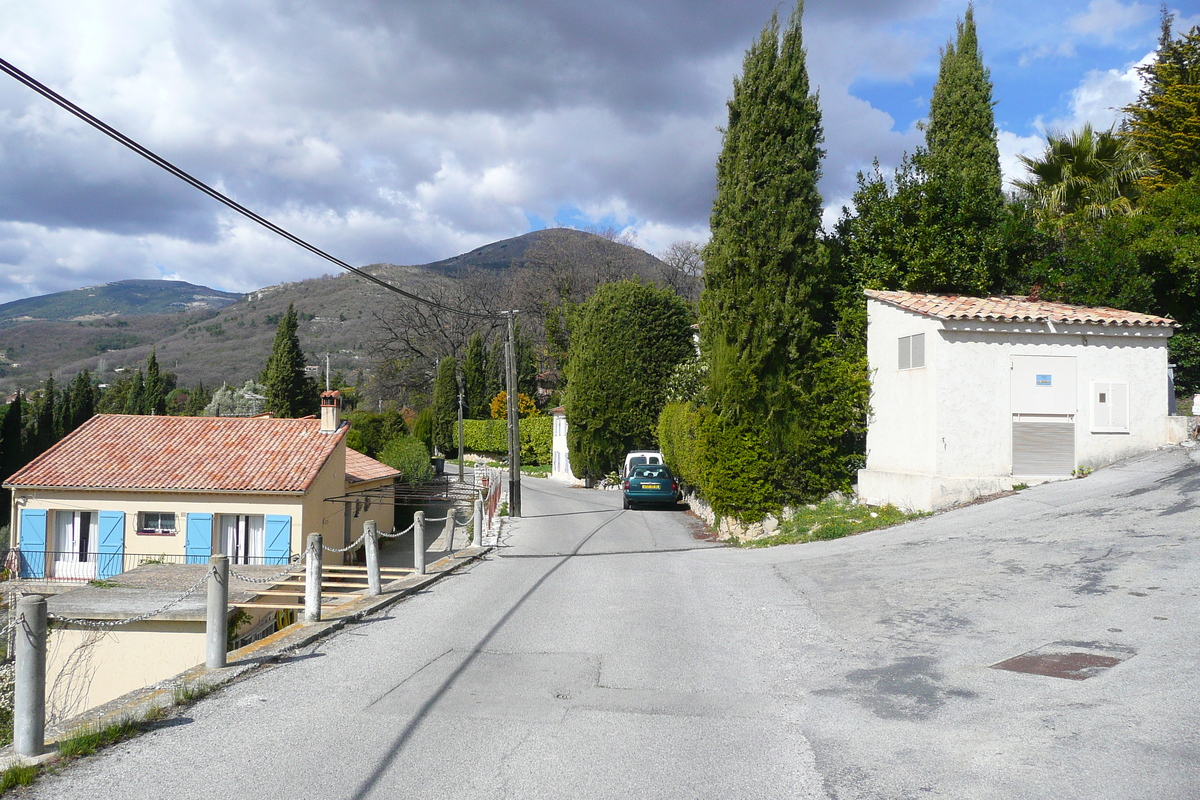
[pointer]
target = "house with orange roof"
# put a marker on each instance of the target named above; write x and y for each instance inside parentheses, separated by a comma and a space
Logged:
(125, 490)
(972, 395)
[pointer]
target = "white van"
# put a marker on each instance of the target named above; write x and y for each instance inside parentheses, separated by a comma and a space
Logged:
(638, 457)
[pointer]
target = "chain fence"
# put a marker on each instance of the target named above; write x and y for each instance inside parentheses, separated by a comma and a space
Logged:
(294, 562)
(106, 624)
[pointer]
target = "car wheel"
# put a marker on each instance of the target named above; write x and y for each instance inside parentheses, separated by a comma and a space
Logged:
(625, 503)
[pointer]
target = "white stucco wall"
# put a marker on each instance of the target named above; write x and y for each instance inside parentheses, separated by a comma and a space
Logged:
(946, 437)
(559, 457)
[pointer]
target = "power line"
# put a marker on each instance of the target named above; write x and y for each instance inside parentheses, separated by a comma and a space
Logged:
(158, 160)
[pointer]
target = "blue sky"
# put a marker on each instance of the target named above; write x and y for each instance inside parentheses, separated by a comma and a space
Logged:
(408, 132)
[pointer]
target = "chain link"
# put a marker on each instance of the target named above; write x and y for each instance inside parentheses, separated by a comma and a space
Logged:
(435, 519)
(292, 564)
(397, 534)
(7, 629)
(116, 623)
(352, 546)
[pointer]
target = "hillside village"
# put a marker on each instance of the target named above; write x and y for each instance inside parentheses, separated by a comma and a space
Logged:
(865, 491)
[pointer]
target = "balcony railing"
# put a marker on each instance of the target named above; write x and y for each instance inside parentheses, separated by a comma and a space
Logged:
(69, 566)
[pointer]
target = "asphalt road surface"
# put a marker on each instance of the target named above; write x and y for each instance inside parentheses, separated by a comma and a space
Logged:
(610, 654)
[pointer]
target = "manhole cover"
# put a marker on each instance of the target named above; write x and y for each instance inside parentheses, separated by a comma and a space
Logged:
(1075, 661)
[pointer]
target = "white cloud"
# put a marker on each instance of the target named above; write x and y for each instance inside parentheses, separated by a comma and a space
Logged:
(1104, 19)
(1099, 98)
(1011, 145)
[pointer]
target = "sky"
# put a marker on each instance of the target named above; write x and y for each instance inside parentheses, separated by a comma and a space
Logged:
(407, 132)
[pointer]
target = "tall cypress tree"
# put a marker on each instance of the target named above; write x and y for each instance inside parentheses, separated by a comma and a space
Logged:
(445, 404)
(135, 399)
(939, 226)
(289, 392)
(12, 452)
(154, 395)
(81, 401)
(761, 308)
(475, 378)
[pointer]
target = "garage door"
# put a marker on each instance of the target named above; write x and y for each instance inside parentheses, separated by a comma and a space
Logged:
(1043, 445)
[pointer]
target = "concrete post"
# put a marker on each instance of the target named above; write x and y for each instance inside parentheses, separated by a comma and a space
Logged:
(477, 521)
(217, 628)
(419, 542)
(371, 543)
(312, 579)
(450, 529)
(29, 693)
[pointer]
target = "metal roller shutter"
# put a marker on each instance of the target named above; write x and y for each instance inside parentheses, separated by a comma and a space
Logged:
(1043, 447)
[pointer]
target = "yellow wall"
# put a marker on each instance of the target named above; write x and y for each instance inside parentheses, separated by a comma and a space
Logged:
(87, 668)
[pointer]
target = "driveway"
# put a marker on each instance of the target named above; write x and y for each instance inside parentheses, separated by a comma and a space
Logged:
(610, 654)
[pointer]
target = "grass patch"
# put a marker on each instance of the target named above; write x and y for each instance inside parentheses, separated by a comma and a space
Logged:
(831, 520)
(187, 692)
(101, 583)
(539, 471)
(87, 739)
(18, 775)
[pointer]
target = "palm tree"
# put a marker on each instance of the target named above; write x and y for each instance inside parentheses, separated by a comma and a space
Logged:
(1084, 172)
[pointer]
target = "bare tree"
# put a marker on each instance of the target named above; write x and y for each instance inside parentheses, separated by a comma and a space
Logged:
(683, 269)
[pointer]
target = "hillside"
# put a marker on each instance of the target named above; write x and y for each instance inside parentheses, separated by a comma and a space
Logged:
(337, 316)
(116, 299)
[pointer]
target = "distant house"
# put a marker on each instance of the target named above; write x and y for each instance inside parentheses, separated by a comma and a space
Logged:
(123, 490)
(972, 395)
(547, 385)
(560, 465)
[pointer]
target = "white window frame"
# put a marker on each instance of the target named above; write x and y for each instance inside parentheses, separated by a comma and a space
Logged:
(911, 349)
(145, 527)
(1111, 415)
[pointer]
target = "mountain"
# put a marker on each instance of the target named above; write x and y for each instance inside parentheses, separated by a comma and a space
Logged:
(339, 315)
(119, 298)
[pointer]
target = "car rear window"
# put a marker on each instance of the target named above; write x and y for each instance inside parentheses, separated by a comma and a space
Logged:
(650, 472)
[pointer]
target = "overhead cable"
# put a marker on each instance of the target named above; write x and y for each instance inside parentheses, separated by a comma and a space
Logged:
(153, 157)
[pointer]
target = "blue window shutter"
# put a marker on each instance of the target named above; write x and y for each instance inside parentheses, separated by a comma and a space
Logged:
(198, 546)
(278, 546)
(110, 549)
(33, 543)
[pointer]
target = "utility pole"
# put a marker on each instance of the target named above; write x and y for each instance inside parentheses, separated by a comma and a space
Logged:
(460, 427)
(514, 429)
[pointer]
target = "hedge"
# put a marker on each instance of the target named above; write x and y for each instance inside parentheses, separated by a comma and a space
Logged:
(725, 463)
(491, 436)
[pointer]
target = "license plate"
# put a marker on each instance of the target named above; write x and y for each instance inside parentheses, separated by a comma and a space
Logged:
(651, 486)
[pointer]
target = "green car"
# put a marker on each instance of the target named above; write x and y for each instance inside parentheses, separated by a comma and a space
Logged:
(650, 483)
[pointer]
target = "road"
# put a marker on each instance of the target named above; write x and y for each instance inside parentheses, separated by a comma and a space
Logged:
(610, 654)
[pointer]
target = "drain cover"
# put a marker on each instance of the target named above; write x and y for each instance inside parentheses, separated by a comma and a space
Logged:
(1076, 661)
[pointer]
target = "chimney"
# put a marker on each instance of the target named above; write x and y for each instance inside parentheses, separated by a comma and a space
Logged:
(331, 411)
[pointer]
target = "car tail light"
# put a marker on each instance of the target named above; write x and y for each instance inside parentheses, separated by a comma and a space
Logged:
(674, 486)
(625, 485)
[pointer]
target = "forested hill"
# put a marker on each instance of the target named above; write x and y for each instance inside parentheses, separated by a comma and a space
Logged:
(231, 343)
(119, 298)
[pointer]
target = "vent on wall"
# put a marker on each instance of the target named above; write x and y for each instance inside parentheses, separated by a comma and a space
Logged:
(912, 351)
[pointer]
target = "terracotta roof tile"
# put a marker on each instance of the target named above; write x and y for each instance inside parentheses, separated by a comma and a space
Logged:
(1014, 309)
(221, 454)
(360, 468)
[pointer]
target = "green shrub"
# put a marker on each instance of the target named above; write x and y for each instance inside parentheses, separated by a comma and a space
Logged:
(491, 436)
(422, 428)
(370, 432)
(410, 456)
(724, 462)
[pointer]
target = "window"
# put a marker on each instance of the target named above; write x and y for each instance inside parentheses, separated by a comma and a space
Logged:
(1110, 407)
(241, 537)
(156, 522)
(912, 351)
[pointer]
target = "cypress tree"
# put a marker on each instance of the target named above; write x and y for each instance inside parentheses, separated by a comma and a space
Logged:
(45, 433)
(495, 374)
(154, 395)
(12, 452)
(1165, 121)
(762, 306)
(289, 393)
(135, 400)
(445, 404)
(475, 378)
(81, 401)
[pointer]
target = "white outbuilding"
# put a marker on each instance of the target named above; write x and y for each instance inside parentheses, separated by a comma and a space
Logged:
(971, 395)
(560, 468)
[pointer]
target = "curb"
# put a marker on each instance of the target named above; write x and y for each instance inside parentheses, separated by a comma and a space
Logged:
(274, 648)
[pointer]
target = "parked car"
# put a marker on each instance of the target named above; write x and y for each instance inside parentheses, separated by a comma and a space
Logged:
(650, 483)
(639, 457)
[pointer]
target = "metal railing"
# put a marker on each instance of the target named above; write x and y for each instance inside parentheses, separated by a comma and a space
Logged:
(60, 565)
